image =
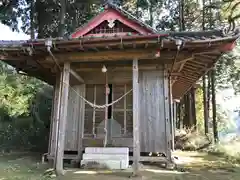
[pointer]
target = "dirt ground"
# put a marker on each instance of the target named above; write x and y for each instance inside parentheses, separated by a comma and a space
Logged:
(191, 166)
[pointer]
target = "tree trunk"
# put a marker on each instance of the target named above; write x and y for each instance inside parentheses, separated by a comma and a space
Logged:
(181, 15)
(203, 15)
(150, 12)
(208, 93)
(137, 7)
(193, 108)
(186, 120)
(32, 12)
(179, 115)
(214, 109)
(61, 30)
(205, 105)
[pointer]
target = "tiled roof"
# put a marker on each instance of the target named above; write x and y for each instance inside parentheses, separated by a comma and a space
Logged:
(208, 36)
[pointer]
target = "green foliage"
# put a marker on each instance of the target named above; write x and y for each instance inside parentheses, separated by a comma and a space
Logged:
(24, 111)
(228, 70)
(10, 11)
(230, 150)
(199, 110)
(16, 91)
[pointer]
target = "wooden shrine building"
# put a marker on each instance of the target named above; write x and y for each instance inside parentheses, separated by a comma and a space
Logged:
(118, 60)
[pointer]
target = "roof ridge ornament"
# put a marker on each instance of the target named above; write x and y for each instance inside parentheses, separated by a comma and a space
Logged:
(111, 23)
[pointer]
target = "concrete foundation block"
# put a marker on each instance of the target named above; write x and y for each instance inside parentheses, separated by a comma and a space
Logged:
(119, 157)
(106, 158)
(104, 164)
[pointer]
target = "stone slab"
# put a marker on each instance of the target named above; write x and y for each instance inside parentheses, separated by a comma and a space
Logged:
(105, 164)
(123, 157)
(107, 150)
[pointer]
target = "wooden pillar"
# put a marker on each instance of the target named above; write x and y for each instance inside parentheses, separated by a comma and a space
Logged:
(52, 124)
(167, 115)
(63, 118)
(57, 115)
(136, 143)
(214, 108)
(174, 122)
(106, 138)
(171, 113)
(94, 112)
(186, 119)
(125, 110)
(205, 105)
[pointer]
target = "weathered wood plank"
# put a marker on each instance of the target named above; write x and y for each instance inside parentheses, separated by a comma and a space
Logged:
(57, 111)
(167, 115)
(136, 144)
(152, 119)
(81, 115)
(52, 136)
(63, 119)
(171, 112)
(105, 55)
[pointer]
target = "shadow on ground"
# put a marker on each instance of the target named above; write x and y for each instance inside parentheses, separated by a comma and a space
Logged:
(191, 166)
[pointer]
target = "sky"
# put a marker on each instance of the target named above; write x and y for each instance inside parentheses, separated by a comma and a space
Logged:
(7, 34)
(226, 98)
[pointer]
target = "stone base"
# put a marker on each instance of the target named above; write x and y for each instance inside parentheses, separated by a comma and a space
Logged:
(106, 158)
(104, 164)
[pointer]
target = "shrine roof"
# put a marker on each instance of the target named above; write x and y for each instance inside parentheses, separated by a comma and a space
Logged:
(198, 53)
(116, 13)
(186, 37)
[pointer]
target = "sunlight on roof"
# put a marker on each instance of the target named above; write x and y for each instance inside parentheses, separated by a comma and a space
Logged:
(8, 34)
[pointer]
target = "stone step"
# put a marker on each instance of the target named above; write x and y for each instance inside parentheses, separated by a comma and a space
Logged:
(107, 150)
(105, 164)
(123, 157)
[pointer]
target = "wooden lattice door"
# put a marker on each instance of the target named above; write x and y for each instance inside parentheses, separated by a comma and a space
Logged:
(94, 118)
(122, 110)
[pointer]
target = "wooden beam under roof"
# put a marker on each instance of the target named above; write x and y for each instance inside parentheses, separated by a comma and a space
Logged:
(119, 55)
(104, 56)
(113, 69)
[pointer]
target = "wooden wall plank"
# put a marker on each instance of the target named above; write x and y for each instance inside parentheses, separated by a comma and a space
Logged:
(75, 118)
(120, 77)
(53, 127)
(152, 119)
(81, 115)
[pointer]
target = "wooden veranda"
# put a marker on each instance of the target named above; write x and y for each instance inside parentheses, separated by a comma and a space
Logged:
(158, 67)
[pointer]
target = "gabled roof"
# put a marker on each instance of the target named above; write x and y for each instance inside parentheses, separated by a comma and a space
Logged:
(198, 53)
(114, 12)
